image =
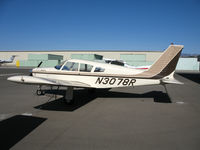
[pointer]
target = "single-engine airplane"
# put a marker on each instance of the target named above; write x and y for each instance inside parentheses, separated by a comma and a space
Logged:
(88, 74)
(8, 61)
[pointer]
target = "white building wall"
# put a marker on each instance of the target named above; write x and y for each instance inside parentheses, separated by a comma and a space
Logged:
(23, 55)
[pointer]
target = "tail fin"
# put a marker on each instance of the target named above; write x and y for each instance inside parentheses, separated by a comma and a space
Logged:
(12, 57)
(165, 65)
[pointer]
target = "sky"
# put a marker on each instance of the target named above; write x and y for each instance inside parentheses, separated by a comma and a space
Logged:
(99, 24)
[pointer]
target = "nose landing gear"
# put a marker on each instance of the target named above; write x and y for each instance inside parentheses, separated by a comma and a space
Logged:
(40, 92)
(67, 97)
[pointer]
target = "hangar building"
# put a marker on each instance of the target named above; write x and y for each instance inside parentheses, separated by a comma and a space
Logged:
(51, 58)
(134, 57)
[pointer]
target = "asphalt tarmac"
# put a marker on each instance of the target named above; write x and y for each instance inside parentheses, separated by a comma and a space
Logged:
(138, 118)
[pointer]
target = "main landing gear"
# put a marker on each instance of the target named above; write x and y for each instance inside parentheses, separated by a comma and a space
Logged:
(67, 97)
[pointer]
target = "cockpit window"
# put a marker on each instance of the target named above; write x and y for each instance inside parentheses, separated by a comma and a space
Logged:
(99, 69)
(85, 67)
(70, 66)
(59, 65)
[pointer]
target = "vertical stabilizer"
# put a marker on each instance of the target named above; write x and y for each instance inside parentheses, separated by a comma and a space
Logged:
(165, 65)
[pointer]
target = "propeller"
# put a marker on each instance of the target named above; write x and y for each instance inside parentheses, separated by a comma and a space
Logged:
(39, 64)
(31, 74)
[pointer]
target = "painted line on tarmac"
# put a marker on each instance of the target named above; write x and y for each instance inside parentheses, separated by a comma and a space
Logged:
(27, 114)
(180, 102)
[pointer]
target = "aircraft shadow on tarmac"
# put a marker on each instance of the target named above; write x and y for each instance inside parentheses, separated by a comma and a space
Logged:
(13, 129)
(82, 97)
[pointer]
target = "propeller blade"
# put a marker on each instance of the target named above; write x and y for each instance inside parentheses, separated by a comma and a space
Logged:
(39, 64)
(31, 74)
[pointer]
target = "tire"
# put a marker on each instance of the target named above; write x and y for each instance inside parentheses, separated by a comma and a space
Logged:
(40, 92)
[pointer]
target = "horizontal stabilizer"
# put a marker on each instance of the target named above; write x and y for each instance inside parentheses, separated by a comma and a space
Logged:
(171, 81)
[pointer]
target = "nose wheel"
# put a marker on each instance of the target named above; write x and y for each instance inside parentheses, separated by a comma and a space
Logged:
(68, 96)
(40, 92)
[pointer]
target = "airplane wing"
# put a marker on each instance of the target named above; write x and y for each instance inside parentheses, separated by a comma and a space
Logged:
(44, 81)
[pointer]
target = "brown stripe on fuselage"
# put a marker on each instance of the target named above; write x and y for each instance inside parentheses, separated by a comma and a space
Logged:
(76, 73)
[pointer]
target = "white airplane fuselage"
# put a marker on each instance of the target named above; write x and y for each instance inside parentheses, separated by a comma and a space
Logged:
(113, 76)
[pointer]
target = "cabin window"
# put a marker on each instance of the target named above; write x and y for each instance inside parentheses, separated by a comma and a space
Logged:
(70, 66)
(99, 69)
(85, 68)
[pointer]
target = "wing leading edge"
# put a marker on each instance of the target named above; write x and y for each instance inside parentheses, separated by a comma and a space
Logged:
(44, 81)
